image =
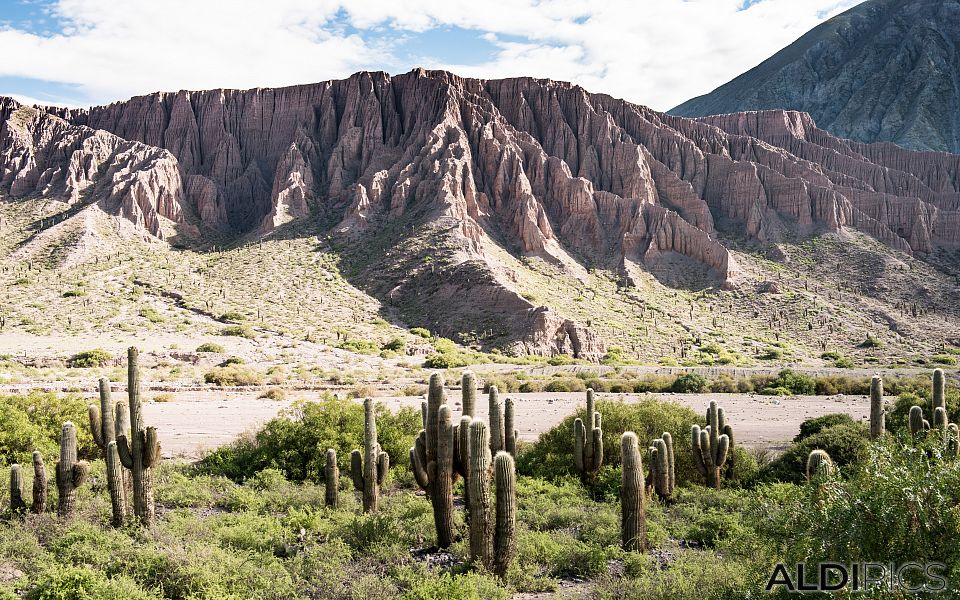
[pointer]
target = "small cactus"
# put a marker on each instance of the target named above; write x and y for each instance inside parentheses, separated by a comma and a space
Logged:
(876, 408)
(917, 423)
(369, 468)
(331, 477)
(951, 440)
(492, 537)
(939, 382)
(17, 504)
(662, 466)
(588, 442)
(711, 447)
(139, 448)
(940, 419)
(103, 427)
(819, 465)
(71, 473)
(431, 459)
(633, 518)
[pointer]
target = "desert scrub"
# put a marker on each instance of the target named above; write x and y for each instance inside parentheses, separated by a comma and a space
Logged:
(89, 358)
(274, 394)
(360, 346)
(210, 347)
(233, 375)
(151, 314)
(244, 331)
(233, 317)
(33, 422)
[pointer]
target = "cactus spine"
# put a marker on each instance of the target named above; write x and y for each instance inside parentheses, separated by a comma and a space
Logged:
(71, 473)
(633, 519)
(331, 477)
(492, 544)
(876, 407)
(662, 466)
(369, 468)
(710, 446)
(939, 381)
(103, 427)
(139, 452)
(588, 442)
(17, 504)
(819, 465)
(431, 459)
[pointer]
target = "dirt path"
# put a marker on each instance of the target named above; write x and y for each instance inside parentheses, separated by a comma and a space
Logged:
(198, 421)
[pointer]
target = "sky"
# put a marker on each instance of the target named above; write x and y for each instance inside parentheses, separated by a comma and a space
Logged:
(653, 52)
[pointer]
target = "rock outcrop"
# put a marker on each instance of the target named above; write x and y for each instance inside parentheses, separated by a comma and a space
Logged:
(884, 71)
(43, 155)
(478, 169)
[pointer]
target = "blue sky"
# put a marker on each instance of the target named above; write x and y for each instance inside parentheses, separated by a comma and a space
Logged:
(654, 52)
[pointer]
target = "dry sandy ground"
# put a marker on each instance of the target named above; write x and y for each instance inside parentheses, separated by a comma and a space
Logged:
(195, 422)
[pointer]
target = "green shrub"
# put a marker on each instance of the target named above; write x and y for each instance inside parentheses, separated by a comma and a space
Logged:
(233, 375)
(421, 332)
(360, 346)
(818, 424)
(74, 293)
(560, 360)
(871, 342)
(571, 384)
(689, 383)
(397, 344)
(945, 359)
(613, 356)
(771, 354)
(445, 360)
(151, 314)
(244, 331)
(794, 383)
(844, 363)
(277, 394)
(233, 316)
(89, 358)
(898, 417)
(82, 583)
(290, 443)
(830, 355)
(232, 360)
(846, 444)
(33, 422)
(210, 347)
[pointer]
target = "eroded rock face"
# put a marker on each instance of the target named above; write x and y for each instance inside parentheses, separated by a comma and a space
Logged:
(41, 154)
(536, 168)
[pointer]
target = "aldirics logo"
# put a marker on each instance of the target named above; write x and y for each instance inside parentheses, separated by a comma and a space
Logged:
(859, 577)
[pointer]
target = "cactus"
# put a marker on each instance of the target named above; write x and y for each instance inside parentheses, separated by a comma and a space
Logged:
(71, 473)
(951, 440)
(332, 479)
(510, 432)
(497, 433)
(819, 465)
(662, 466)
(710, 447)
(633, 519)
(103, 428)
(468, 387)
(940, 419)
(876, 407)
(431, 459)
(917, 423)
(468, 390)
(139, 449)
(588, 442)
(492, 544)
(17, 504)
(938, 390)
(369, 468)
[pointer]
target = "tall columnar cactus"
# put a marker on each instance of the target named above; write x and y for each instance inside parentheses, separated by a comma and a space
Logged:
(877, 418)
(331, 476)
(468, 391)
(588, 442)
(103, 427)
(71, 473)
(819, 465)
(139, 449)
(662, 466)
(17, 504)
(710, 447)
(951, 440)
(468, 387)
(431, 459)
(497, 436)
(939, 401)
(633, 519)
(369, 468)
(492, 537)
(509, 425)
(917, 423)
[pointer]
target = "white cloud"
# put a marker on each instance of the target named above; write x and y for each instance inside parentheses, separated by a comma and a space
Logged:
(655, 52)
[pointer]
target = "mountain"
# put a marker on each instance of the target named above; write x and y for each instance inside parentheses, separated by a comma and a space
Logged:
(884, 71)
(524, 215)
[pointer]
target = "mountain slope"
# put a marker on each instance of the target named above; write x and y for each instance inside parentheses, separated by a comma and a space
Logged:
(534, 217)
(884, 71)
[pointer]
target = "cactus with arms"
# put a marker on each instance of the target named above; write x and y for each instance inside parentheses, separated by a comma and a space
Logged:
(662, 466)
(431, 459)
(710, 446)
(71, 473)
(17, 504)
(492, 538)
(103, 427)
(369, 469)
(139, 449)
(633, 518)
(877, 425)
(588, 442)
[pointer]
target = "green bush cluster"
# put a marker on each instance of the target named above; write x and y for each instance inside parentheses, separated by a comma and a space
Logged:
(233, 374)
(33, 422)
(89, 358)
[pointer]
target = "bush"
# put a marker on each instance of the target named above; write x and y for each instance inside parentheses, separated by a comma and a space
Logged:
(210, 347)
(793, 383)
(397, 344)
(551, 457)
(274, 394)
(233, 316)
(818, 424)
(613, 356)
(847, 445)
(83, 583)
(565, 385)
(689, 383)
(421, 332)
(244, 331)
(360, 346)
(233, 375)
(89, 358)
(898, 417)
(149, 313)
(294, 443)
(945, 359)
(871, 342)
(445, 360)
(33, 422)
